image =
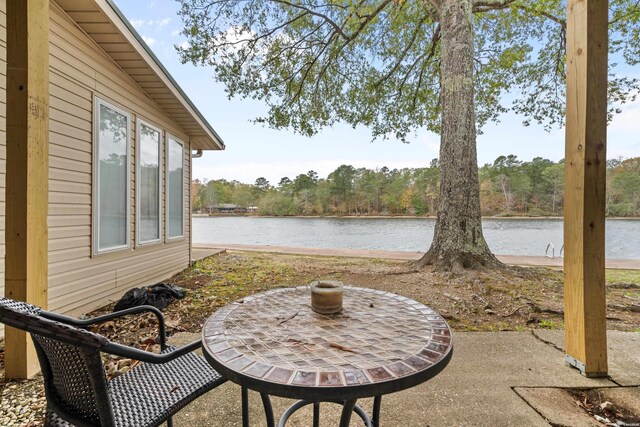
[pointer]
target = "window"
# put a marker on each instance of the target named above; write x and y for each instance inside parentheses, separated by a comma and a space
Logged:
(148, 183)
(111, 178)
(175, 189)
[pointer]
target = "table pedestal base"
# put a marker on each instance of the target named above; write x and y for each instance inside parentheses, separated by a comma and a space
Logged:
(348, 407)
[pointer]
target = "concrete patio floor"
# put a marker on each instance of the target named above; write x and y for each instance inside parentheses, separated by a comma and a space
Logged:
(494, 379)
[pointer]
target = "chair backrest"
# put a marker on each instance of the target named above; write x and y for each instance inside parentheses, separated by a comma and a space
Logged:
(75, 382)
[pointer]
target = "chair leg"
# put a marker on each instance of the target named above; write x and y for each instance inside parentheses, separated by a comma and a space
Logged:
(169, 422)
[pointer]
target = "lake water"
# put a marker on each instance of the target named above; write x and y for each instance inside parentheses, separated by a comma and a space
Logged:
(504, 236)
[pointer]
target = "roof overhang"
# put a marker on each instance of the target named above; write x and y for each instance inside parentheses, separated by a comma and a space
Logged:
(108, 27)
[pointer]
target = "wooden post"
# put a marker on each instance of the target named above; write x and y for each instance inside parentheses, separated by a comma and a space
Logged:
(585, 169)
(27, 174)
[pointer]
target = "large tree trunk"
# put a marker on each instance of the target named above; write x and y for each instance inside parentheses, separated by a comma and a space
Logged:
(458, 241)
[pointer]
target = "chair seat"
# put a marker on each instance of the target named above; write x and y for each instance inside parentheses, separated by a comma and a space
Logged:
(149, 393)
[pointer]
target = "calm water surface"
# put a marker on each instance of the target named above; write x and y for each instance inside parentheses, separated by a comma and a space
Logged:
(504, 236)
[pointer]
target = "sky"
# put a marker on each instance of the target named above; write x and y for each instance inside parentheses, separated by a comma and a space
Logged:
(253, 150)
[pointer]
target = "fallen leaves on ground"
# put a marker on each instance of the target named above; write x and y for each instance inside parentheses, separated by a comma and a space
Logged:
(606, 412)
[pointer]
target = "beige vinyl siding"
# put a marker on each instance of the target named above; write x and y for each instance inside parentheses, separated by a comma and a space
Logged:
(78, 281)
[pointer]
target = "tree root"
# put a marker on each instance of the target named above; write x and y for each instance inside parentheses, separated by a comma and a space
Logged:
(458, 262)
(514, 311)
(632, 307)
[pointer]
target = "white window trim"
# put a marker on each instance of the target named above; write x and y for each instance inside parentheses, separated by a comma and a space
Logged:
(95, 226)
(182, 236)
(139, 123)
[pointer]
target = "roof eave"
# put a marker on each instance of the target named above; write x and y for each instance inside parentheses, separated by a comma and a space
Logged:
(184, 98)
(142, 45)
(205, 137)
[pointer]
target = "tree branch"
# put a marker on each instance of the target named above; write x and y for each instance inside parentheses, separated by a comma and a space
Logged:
(403, 55)
(328, 20)
(480, 6)
(559, 21)
(425, 58)
(296, 96)
(630, 11)
(487, 5)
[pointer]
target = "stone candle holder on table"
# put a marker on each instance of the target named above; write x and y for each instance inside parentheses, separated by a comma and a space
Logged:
(326, 296)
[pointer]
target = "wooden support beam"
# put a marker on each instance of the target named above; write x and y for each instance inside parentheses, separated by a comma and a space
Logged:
(585, 169)
(27, 174)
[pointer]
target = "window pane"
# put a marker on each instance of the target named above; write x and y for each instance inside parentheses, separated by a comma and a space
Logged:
(175, 183)
(148, 184)
(113, 179)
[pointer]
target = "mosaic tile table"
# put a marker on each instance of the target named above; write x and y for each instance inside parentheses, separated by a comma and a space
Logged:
(275, 344)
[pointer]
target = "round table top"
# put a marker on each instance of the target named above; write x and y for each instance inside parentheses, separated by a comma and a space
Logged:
(379, 343)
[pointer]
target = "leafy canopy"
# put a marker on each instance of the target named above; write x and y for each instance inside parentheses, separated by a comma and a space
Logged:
(376, 62)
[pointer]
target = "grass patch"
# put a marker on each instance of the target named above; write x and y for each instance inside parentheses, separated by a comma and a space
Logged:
(548, 324)
(491, 288)
(511, 299)
(622, 276)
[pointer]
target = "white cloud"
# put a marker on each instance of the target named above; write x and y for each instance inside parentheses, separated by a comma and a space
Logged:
(628, 120)
(149, 40)
(622, 132)
(150, 26)
(430, 141)
(624, 152)
(235, 36)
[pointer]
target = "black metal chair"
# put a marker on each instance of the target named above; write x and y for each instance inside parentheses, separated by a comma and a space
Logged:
(77, 391)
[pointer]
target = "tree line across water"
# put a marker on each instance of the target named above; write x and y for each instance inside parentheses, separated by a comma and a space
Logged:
(508, 187)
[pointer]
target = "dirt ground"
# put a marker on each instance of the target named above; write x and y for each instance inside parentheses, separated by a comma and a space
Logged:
(515, 298)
